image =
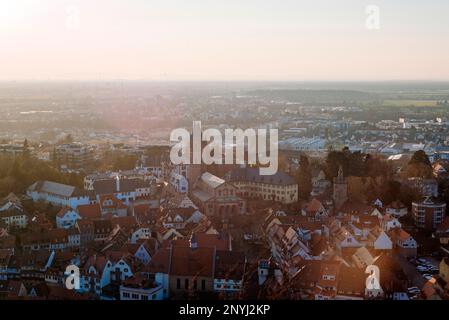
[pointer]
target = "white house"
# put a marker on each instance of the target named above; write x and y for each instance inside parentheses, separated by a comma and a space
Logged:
(146, 251)
(140, 233)
(9, 202)
(66, 218)
(123, 189)
(57, 194)
(345, 239)
(396, 209)
(405, 243)
(96, 275)
(389, 222)
(178, 218)
(382, 241)
(99, 271)
(14, 217)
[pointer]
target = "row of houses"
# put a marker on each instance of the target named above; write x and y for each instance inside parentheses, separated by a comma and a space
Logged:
(354, 238)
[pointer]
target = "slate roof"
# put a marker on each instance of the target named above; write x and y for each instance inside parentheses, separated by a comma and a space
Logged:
(229, 265)
(56, 189)
(89, 211)
(253, 175)
(211, 180)
(12, 212)
(109, 186)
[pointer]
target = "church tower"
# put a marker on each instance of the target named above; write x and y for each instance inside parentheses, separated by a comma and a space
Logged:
(340, 195)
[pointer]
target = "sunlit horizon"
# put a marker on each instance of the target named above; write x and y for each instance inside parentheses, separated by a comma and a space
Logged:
(263, 40)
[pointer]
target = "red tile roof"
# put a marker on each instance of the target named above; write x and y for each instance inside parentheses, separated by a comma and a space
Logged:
(192, 262)
(89, 211)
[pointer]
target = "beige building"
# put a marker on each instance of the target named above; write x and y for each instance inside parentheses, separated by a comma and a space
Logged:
(214, 196)
(250, 184)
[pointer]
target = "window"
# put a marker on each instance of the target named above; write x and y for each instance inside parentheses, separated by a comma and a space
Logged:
(178, 283)
(186, 284)
(195, 284)
(143, 297)
(203, 284)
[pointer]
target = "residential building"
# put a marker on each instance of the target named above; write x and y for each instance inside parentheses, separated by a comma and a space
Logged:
(66, 218)
(74, 156)
(429, 213)
(57, 194)
(251, 185)
(141, 287)
(215, 196)
(14, 217)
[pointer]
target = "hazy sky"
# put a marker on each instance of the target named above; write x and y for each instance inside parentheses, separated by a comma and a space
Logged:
(223, 40)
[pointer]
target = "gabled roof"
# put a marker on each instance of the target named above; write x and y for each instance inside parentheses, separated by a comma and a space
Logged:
(125, 223)
(63, 212)
(61, 293)
(109, 186)
(356, 208)
(351, 281)
(202, 195)
(314, 205)
(185, 213)
(203, 240)
(329, 268)
(56, 189)
(102, 226)
(50, 236)
(160, 263)
(89, 211)
(308, 275)
(115, 203)
(97, 261)
(192, 262)
(11, 197)
(229, 265)
(12, 212)
(211, 180)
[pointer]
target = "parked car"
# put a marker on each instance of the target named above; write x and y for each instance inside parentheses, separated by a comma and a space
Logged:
(413, 290)
(427, 276)
(434, 270)
(422, 268)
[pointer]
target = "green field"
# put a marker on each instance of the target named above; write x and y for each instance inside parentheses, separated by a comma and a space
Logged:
(410, 103)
